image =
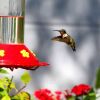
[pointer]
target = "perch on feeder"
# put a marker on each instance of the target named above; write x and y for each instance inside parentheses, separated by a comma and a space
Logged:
(13, 52)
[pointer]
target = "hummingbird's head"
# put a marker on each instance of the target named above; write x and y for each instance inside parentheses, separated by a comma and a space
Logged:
(63, 31)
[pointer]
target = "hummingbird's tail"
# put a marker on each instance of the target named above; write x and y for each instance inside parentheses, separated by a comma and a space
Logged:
(74, 49)
(73, 46)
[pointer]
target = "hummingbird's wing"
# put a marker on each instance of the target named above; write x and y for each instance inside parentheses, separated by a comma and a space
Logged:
(68, 40)
(57, 38)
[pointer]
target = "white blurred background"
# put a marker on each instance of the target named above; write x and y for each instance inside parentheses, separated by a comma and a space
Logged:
(81, 19)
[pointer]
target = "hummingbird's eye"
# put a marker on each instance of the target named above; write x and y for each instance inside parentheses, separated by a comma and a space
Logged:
(64, 31)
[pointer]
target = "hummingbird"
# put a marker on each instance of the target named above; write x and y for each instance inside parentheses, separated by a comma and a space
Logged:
(66, 38)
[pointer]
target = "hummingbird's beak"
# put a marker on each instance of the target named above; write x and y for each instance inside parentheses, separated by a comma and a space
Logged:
(56, 30)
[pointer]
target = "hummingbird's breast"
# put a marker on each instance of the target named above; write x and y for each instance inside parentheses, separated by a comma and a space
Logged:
(66, 39)
(64, 35)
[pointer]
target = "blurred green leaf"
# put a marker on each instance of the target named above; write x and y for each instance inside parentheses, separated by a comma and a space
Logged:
(32, 98)
(6, 81)
(22, 96)
(71, 98)
(6, 85)
(3, 82)
(16, 97)
(90, 96)
(3, 71)
(12, 85)
(97, 81)
(3, 92)
(25, 78)
(1, 89)
(6, 97)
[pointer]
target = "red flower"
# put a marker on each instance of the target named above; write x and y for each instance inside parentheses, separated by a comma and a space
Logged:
(81, 89)
(44, 94)
(58, 95)
(67, 94)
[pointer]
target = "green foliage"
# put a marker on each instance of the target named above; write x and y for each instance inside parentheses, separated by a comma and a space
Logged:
(25, 78)
(97, 82)
(6, 97)
(2, 71)
(22, 96)
(7, 85)
(6, 81)
(3, 92)
(71, 98)
(90, 96)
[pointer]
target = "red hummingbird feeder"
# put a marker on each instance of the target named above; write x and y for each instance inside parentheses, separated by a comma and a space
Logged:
(13, 52)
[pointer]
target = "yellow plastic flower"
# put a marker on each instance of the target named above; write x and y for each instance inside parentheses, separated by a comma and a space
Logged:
(2, 53)
(24, 53)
